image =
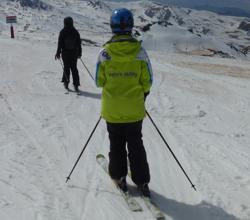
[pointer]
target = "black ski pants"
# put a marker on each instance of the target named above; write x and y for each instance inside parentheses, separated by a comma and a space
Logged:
(120, 135)
(70, 64)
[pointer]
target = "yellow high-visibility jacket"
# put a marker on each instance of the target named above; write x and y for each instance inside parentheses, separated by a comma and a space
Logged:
(124, 71)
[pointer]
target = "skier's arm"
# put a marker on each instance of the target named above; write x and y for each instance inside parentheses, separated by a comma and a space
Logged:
(100, 75)
(59, 46)
(100, 78)
(146, 78)
(79, 43)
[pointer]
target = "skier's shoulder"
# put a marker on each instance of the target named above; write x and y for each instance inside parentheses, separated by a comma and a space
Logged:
(69, 31)
(142, 55)
(62, 32)
(75, 31)
(103, 55)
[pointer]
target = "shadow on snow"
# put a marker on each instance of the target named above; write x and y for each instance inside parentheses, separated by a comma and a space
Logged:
(90, 94)
(181, 211)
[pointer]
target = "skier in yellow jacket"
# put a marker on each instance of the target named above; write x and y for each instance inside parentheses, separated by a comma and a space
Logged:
(125, 74)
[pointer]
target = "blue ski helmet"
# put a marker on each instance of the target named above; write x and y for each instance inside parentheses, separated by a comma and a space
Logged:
(121, 21)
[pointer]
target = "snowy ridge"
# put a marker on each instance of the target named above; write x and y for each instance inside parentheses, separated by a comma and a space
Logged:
(160, 27)
(200, 104)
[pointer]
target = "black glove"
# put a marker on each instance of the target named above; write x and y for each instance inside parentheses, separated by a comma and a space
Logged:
(145, 95)
(79, 54)
(57, 56)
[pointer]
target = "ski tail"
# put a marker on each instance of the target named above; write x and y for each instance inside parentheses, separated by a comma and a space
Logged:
(128, 198)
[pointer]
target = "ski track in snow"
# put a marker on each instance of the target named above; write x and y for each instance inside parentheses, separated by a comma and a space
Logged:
(43, 130)
(202, 112)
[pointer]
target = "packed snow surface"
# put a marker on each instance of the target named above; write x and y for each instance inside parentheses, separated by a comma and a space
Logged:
(200, 104)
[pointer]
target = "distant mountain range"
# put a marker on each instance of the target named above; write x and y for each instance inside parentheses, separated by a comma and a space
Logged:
(225, 10)
(33, 4)
(224, 7)
(160, 27)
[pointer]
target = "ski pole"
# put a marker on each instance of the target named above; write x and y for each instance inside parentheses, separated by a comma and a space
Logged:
(193, 186)
(87, 69)
(68, 178)
(63, 70)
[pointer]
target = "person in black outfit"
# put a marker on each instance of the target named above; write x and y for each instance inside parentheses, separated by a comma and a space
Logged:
(69, 47)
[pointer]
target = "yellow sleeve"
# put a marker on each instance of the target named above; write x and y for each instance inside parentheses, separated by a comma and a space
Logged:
(146, 77)
(100, 78)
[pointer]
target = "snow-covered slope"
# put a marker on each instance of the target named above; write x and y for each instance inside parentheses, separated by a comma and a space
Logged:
(160, 27)
(201, 105)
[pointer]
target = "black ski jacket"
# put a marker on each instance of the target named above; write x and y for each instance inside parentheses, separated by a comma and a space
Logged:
(69, 42)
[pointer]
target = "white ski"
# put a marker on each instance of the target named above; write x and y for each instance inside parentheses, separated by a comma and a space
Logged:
(154, 209)
(131, 202)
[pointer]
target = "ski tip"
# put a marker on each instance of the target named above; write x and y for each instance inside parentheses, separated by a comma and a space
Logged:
(98, 156)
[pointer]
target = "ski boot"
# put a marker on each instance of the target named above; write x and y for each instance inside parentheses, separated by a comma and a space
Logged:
(66, 85)
(144, 189)
(121, 184)
(76, 88)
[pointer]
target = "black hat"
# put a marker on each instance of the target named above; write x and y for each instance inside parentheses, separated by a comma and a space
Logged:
(68, 22)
